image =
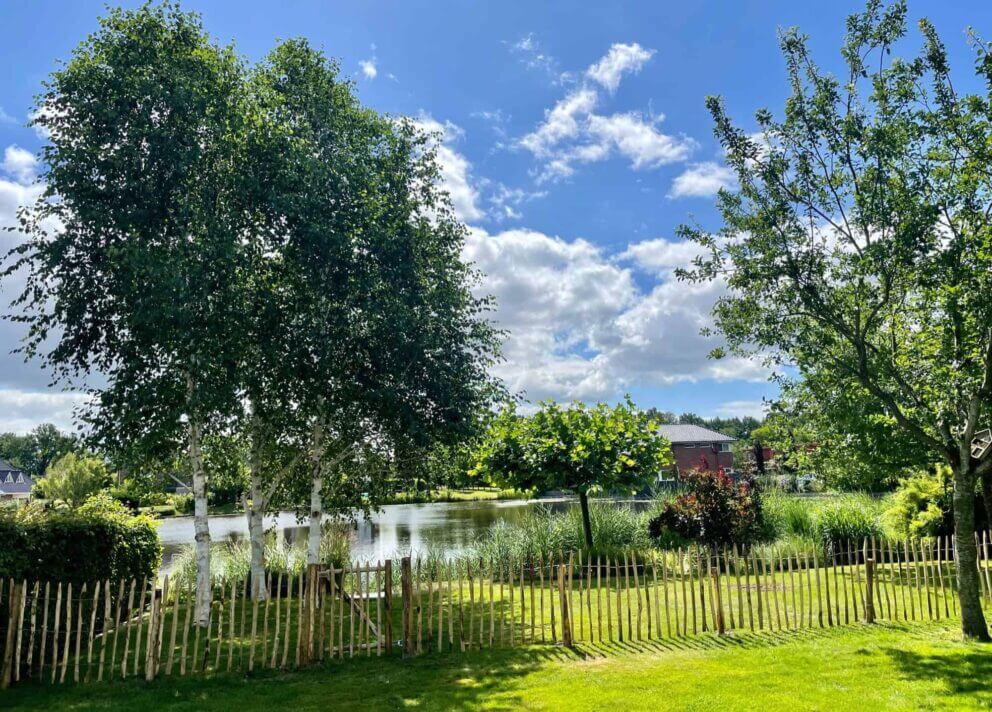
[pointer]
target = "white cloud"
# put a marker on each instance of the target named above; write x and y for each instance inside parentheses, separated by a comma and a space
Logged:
(621, 58)
(661, 256)
(455, 168)
(572, 133)
(579, 326)
(742, 408)
(639, 140)
(561, 122)
(6, 118)
(21, 410)
(20, 164)
(368, 68)
(505, 201)
(530, 53)
(702, 180)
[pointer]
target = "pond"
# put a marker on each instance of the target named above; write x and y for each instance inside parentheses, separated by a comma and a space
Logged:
(395, 529)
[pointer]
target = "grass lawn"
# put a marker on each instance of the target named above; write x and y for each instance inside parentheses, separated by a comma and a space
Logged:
(890, 666)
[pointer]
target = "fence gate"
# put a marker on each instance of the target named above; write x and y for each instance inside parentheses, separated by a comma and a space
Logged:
(352, 606)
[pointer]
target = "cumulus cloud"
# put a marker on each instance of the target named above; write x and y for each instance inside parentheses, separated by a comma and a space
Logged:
(620, 59)
(702, 180)
(368, 68)
(573, 133)
(580, 327)
(455, 168)
(20, 164)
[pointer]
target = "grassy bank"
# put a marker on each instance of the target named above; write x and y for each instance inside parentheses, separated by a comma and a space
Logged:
(886, 667)
(445, 494)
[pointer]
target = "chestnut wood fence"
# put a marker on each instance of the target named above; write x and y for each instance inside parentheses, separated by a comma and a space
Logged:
(61, 632)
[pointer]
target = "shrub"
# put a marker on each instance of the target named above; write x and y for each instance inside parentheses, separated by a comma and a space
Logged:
(544, 532)
(921, 505)
(72, 479)
(848, 519)
(98, 541)
(714, 510)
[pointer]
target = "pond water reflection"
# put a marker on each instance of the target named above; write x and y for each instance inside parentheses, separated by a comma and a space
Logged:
(397, 528)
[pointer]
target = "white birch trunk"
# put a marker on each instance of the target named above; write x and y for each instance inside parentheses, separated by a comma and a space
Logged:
(316, 497)
(256, 535)
(201, 525)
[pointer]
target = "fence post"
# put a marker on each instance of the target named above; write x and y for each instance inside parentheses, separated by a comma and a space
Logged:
(406, 587)
(716, 598)
(388, 605)
(152, 640)
(14, 599)
(566, 623)
(869, 584)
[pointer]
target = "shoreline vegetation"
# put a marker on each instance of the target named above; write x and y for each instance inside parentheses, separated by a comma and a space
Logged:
(790, 522)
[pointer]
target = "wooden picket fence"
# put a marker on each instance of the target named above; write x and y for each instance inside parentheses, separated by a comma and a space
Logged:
(60, 632)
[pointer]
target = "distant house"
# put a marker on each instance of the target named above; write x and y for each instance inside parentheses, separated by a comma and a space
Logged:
(14, 484)
(696, 447)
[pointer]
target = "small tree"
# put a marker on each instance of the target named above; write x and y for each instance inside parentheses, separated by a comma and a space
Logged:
(72, 479)
(575, 448)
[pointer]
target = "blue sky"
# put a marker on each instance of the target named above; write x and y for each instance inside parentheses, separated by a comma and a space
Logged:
(575, 140)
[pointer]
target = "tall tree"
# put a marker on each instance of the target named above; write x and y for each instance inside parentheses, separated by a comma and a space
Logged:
(578, 448)
(367, 337)
(858, 244)
(139, 285)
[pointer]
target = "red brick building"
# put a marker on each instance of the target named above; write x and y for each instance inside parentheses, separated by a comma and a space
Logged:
(696, 447)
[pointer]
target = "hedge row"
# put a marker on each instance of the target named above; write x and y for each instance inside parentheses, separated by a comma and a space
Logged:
(65, 546)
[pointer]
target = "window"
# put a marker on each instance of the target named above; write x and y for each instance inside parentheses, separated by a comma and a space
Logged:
(20, 479)
(724, 447)
(10, 478)
(688, 445)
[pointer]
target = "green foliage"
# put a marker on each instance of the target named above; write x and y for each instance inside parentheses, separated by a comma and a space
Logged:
(714, 510)
(72, 479)
(544, 532)
(609, 449)
(99, 540)
(921, 504)
(827, 520)
(35, 451)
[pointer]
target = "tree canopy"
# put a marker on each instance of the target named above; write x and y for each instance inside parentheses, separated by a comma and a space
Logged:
(613, 449)
(858, 245)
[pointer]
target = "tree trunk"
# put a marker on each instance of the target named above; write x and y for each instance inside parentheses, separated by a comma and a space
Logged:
(586, 521)
(987, 497)
(201, 525)
(256, 514)
(316, 497)
(966, 553)
(256, 535)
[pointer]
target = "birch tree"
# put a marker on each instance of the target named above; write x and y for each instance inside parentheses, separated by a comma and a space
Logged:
(857, 247)
(133, 255)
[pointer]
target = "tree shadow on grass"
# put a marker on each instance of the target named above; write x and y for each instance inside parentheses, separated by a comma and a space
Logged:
(967, 674)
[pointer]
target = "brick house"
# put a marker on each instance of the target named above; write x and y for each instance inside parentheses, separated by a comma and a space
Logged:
(697, 447)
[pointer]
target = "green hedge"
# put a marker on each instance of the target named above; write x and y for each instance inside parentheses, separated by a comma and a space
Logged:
(78, 547)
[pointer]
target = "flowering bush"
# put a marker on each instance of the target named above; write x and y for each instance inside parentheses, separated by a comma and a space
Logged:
(714, 510)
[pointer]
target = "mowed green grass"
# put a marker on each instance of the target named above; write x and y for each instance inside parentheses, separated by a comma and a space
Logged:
(881, 667)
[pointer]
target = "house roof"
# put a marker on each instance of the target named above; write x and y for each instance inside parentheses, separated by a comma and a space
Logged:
(18, 483)
(677, 434)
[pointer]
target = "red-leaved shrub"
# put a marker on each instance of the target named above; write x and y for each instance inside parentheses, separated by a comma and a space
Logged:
(714, 510)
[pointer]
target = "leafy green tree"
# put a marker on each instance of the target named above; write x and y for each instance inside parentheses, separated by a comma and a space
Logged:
(140, 284)
(379, 343)
(839, 435)
(857, 244)
(578, 448)
(72, 479)
(33, 452)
